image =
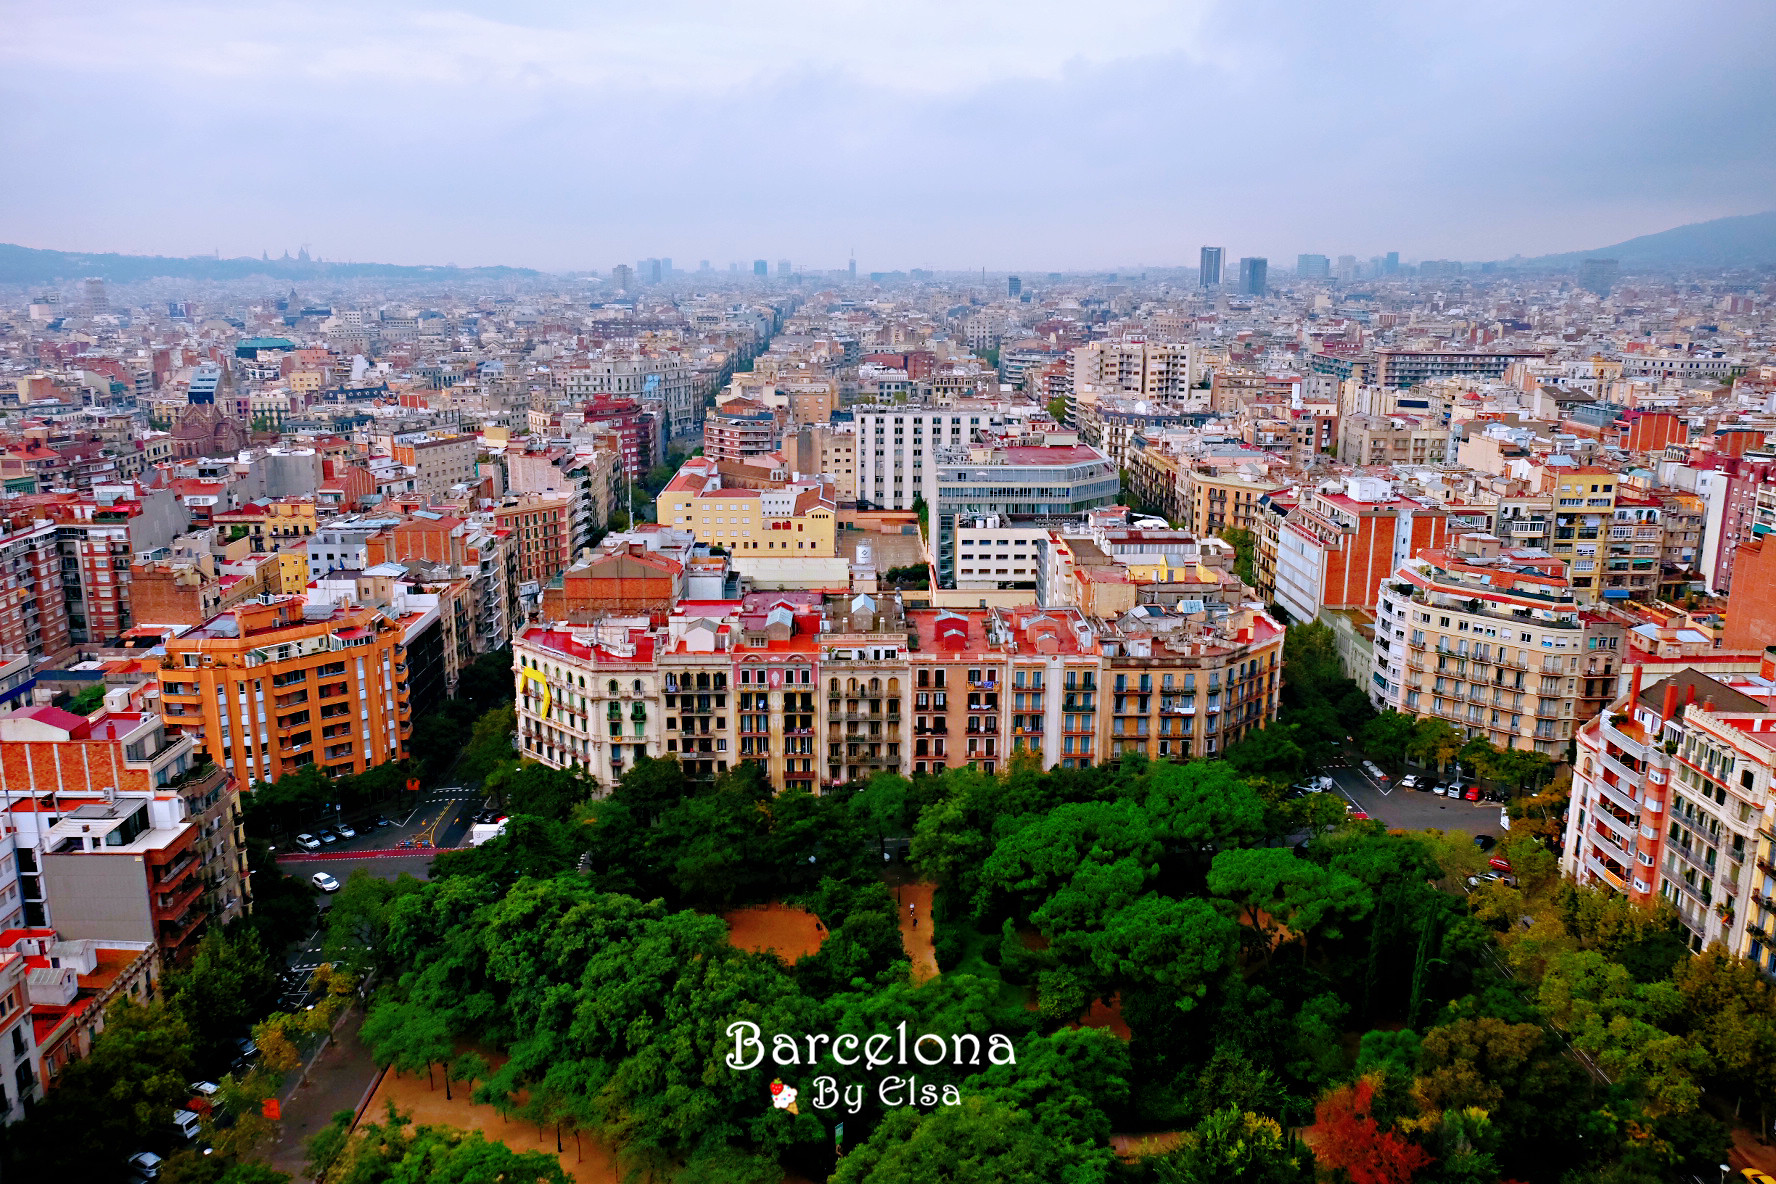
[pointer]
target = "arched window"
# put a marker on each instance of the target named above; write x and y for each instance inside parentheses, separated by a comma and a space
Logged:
(833, 686)
(875, 686)
(894, 686)
(613, 687)
(638, 686)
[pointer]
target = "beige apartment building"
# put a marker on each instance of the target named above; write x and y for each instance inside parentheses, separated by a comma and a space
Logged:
(1485, 637)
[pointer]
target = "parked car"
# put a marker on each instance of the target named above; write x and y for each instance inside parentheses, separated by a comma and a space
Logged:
(187, 1124)
(327, 836)
(143, 1166)
(1472, 793)
(1410, 781)
(324, 882)
(308, 842)
(1492, 878)
(1325, 784)
(346, 831)
(1485, 842)
(1500, 862)
(379, 822)
(204, 1089)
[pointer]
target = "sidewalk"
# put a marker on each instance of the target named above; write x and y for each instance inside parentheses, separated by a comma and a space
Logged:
(339, 1079)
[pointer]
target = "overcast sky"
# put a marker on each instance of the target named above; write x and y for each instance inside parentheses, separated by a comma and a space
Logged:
(1035, 134)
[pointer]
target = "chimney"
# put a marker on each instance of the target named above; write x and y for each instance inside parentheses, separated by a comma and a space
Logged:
(1689, 694)
(1669, 709)
(1634, 687)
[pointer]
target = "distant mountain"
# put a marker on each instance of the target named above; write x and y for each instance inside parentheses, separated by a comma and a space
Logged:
(1744, 241)
(29, 265)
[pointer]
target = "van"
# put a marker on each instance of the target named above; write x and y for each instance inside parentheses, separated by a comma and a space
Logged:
(187, 1124)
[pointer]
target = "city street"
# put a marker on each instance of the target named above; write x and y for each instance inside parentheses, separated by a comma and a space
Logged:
(1413, 809)
(442, 819)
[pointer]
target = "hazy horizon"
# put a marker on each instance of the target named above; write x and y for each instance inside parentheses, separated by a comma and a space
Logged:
(1031, 137)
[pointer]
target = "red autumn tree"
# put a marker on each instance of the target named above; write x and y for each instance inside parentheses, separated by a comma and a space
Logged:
(1345, 1135)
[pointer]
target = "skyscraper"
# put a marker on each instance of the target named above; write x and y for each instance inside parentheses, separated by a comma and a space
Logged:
(1391, 264)
(1254, 275)
(760, 268)
(784, 268)
(1013, 287)
(1313, 267)
(96, 300)
(1347, 268)
(623, 277)
(1209, 270)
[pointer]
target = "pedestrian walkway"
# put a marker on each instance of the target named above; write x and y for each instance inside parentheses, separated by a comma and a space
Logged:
(917, 938)
(338, 1079)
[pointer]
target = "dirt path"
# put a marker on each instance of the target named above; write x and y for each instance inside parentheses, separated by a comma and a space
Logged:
(787, 932)
(917, 939)
(588, 1161)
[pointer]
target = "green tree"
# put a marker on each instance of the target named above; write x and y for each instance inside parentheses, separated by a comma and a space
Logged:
(1244, 548)
(1234, 1147)
(391, 1153)
(981, 1141)
(1277, 890)
(229, 984)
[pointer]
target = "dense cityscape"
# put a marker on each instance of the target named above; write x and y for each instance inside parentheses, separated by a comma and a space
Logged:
(1181, 592)
(669, 583)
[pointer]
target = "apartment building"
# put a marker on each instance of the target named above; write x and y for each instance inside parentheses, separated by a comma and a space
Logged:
(1177, 688)
(541, 529)
(439, 462)
(799, 518)
(1159, 370)
(1344, 538)
(1584, 508)
(661, 383)
(1391, 440)
(1487, 638)
(270, 687)
(828, 451)
(739, 430)
(1410, 367)
(33, 610)
(1215, 501)
(820, 691)
(1671, 798)
(20, 1082)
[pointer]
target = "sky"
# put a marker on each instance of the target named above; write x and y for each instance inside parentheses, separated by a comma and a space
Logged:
(1029, 135)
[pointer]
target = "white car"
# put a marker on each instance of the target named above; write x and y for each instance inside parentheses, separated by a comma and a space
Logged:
(1440, 789)
(324, 882)
(144, 1165)
(1410, 781)
(308, 842)
(205, 1089)
(346, 832)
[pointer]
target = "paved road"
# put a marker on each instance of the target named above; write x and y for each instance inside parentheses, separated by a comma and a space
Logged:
(1414, 810)
(339, 1079)
(442, 818)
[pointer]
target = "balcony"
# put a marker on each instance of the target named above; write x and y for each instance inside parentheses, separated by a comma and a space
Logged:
(178, 900)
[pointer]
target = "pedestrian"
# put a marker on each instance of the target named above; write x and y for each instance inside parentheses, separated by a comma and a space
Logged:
(915, 922)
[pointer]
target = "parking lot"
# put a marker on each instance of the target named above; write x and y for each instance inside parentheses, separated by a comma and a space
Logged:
(1413, 809)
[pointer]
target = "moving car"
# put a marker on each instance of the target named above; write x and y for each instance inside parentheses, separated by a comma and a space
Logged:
(324, 882)
(379, 822)
(1753, 1176)
(308, 842)
(346, 832)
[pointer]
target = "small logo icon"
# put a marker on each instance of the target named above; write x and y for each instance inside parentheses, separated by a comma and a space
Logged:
(784, 1096)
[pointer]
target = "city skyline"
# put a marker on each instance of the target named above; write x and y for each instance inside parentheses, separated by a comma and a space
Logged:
(676, 132)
